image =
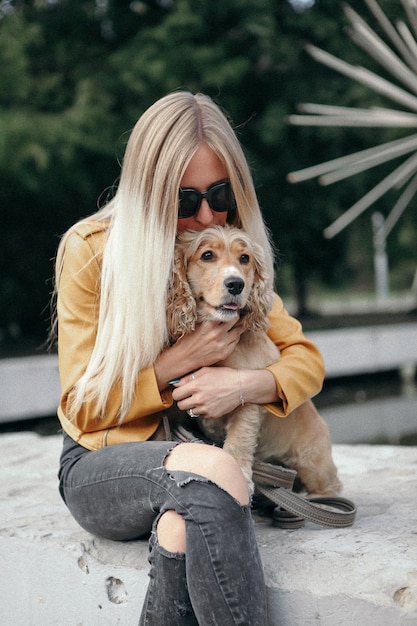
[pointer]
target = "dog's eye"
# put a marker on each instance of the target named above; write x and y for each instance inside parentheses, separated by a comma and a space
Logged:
(208, 255)
(244, 259)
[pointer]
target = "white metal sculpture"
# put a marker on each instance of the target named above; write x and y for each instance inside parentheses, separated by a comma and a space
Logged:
(399, 58)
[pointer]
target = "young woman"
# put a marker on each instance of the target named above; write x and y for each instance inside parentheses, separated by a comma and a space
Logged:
(183, 169)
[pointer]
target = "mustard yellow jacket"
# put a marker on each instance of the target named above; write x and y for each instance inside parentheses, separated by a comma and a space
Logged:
(298, 374)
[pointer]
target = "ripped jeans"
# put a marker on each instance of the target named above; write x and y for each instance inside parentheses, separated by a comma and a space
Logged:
(119, 492)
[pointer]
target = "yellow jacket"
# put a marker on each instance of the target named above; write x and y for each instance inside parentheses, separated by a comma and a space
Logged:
(298, 374)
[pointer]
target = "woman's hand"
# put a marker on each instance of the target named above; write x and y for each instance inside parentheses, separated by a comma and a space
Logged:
(210, 343)
(215, 391)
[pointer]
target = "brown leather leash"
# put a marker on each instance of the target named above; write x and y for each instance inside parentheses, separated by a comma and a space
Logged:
(275, 483)
(292, 509)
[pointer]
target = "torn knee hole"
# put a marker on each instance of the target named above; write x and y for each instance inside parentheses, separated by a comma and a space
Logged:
(168, 454)
(170, 531)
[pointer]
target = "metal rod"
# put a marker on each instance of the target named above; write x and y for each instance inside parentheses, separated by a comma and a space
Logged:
(330, 109)
(361, 120)
(367, 78)
(376, 48)
(334, 164)
(358, 166)
(407, 35)
(400, 206)
(388, 28)
(376, 192)
(410, 10)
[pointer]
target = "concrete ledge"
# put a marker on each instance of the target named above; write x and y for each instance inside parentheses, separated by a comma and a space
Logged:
(52, 572)
(368, 349)
(384, 420)
(30, 387)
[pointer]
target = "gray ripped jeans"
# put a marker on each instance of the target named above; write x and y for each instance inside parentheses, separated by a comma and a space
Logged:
(119, 492)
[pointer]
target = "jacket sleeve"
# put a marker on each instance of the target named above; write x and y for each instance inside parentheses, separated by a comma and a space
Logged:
(78, 303)
(299, 372)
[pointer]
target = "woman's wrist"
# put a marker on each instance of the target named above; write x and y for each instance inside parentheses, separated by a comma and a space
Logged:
(256, 386)
(239, 382)
(171, 363)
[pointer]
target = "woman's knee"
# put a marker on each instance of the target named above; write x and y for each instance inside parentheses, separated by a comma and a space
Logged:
(170, 532)
(212, 463)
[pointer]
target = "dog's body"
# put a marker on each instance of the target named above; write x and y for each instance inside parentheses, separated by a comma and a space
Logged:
(219, 275)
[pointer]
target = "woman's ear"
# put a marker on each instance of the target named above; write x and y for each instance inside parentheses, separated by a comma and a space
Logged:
(181, 306)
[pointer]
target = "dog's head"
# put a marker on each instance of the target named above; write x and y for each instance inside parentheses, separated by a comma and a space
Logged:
(219, 274)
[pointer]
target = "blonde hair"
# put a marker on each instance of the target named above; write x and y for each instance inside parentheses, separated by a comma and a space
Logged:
(142, 223)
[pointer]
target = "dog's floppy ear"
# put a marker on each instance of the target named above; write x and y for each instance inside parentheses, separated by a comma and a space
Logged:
(261, 297)
(181, 306)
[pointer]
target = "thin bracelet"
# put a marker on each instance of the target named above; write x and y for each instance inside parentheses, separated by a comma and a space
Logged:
(241, 398)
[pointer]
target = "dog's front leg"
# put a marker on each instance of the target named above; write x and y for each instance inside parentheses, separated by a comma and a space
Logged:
(242, 437)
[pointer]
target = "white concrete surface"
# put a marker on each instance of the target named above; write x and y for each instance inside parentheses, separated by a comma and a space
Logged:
(52, 572)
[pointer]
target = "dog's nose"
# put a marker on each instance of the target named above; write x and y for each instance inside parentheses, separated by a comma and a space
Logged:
(234, 285)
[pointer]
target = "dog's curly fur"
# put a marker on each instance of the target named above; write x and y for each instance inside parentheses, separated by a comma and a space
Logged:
(219, 274)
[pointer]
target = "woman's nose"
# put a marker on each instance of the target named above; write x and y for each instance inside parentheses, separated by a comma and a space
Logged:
(205, 214)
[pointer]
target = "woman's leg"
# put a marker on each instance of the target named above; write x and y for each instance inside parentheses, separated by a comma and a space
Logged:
(109, 491)
(167, 601)
(118, 491)
(224, 571)
(220, 469)
(215, 529)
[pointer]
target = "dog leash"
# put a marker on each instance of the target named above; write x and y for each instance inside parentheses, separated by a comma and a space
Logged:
(292, 509)
(275, 483)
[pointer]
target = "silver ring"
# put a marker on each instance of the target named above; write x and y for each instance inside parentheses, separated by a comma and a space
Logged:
(192, 414)
(192, 377)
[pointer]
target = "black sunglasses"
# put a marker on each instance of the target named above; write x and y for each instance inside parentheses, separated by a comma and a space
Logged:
(219, 196)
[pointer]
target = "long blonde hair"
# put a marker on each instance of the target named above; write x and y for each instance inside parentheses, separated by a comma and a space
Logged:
(142, 222)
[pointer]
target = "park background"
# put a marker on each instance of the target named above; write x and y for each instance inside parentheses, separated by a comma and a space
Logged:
(75, 75)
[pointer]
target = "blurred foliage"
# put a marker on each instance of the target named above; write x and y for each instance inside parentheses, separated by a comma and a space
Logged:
(75, 76)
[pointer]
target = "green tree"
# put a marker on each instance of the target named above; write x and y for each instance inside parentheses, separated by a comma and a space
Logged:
(55, 145)
(76, 75)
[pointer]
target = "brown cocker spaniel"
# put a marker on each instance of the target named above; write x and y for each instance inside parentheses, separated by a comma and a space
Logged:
(219, 275)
